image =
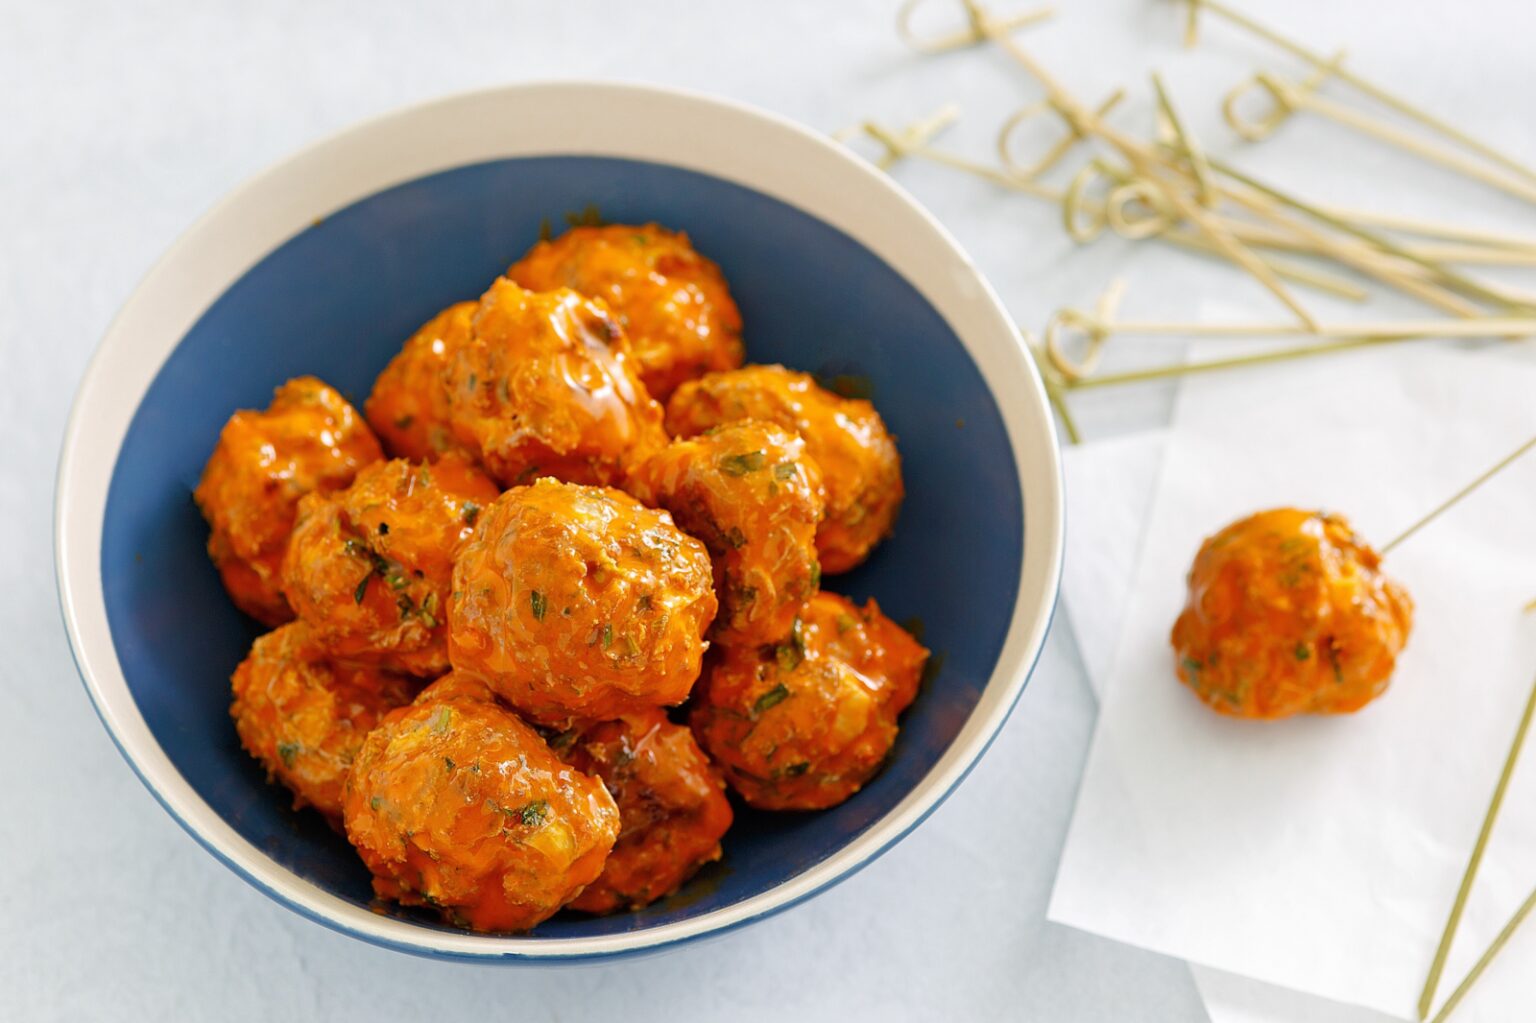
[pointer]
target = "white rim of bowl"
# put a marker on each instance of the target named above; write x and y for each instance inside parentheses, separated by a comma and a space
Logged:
(724, 139)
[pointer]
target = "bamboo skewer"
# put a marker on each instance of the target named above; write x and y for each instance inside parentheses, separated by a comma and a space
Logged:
(1289, 96)
(1192, 152)
(1484, 327)
(1486, 958)
(978, 28)
(1085, 121)
(1058, 149)
(1450, 277)
(1257, 130)
(898, 145)
(1455, 498)
(1432, 229)
(1427, 996)
(1376, 92)
(1232, 362)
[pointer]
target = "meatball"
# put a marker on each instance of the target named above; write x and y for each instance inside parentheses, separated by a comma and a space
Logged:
(545, 387)
(369, 567)
(308, 439)
(1289, 613)
(750, 492)
(672, 302)
(876, 647)
(846, 437)
(305, 716)
(799, 726)
(408, 408)
(672, 807)
(576, 602)
(455, 803)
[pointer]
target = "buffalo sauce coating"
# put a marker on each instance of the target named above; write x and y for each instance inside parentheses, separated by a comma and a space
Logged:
(754, 496)
(846, 437)
(455, 803)
(408, 408)
(804, 725)
(576, 602)
(308, 439)
(672, 303)
(672, 807)
(875, 646)
(1288, 613)
(369, 566)
(305, 716)
(544, 386)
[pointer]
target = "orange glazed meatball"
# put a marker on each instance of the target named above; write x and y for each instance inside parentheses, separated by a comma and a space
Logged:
(845, 436)
(672, 807)
(408, 408)
(305, 717)
(750, 492)
(369, 567)
(455, 803)
(1288, 613)
(876, 647)
(577, 602)
(672, 302)
(545, 387)
(308, 439)
(799, 726)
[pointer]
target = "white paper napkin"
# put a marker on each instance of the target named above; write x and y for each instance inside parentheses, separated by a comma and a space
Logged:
(1110, 488)
(1321, 853)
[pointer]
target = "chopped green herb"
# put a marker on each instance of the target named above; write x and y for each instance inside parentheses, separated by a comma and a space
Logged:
(448, 763)
(740, 465)
(546, 230)
(1192, 666)
(607, 635)
(640, 239)
(796, 770)
(772, 698)
(816, 576)
(474, 381)
(538, 603)
(377, 802)
(383, 528)
(1302, 652)
(469, 513)
(631, 648)
(790, 653)
(532, 815)
(845, 622)
(404, 422)
(784, 470)
(441, 719)
(362, 589)
(288, 751)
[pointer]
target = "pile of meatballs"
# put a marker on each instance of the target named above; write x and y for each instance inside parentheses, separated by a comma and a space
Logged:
(559, 587)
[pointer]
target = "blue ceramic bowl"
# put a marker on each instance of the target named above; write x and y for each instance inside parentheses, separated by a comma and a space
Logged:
(325, 264)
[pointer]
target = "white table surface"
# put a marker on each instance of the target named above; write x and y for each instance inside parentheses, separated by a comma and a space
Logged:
(120, 123)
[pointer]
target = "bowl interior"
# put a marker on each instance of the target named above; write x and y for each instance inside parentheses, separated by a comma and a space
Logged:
(338, 300)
